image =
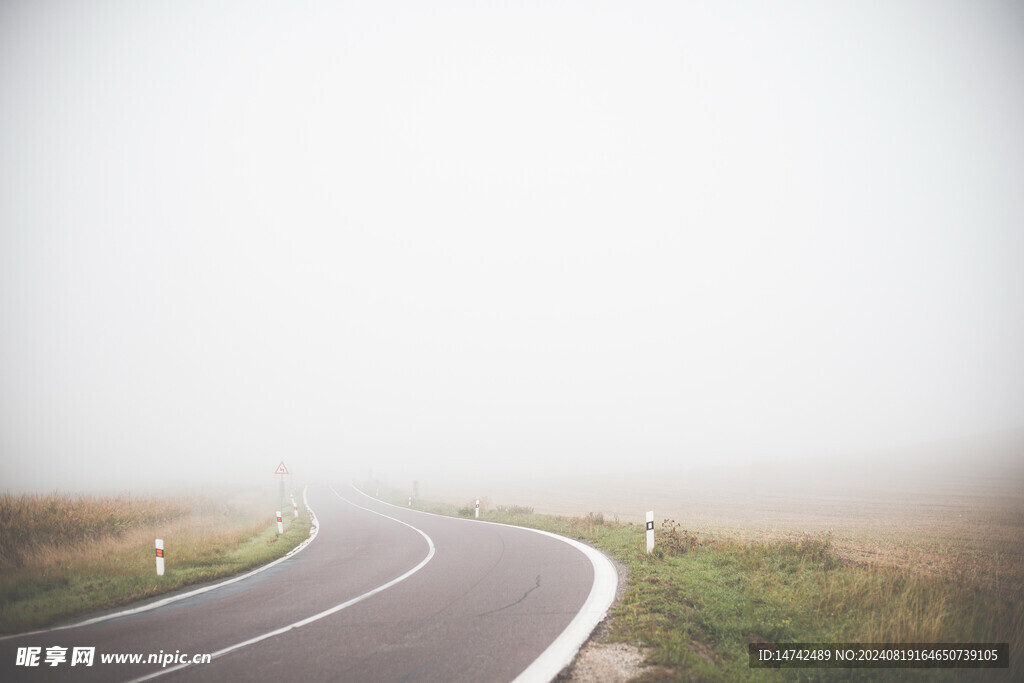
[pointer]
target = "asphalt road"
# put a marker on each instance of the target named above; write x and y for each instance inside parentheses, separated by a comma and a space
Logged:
(383, 593)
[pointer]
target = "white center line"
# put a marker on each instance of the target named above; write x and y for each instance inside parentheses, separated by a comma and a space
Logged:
(560, 653)
(319, 615)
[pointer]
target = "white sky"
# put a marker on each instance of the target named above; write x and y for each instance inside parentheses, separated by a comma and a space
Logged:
(511, 237)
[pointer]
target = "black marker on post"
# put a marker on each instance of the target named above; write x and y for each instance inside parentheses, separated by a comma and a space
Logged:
(650, 531)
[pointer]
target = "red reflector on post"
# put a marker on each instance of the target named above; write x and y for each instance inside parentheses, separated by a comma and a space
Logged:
(159, 552)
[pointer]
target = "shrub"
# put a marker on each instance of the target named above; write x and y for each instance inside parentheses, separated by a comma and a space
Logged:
(674, 539)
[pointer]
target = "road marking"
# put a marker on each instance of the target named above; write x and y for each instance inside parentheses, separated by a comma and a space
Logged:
(319, 615)
(315, 528)
(560, 653)
(563, 649)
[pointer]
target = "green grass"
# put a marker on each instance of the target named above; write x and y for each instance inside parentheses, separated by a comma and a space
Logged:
(701, 608)
(696, 602)
(90, 554)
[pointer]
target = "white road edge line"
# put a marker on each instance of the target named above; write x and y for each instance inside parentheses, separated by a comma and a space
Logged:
(314, 529)
(563, 649)
(319, 615)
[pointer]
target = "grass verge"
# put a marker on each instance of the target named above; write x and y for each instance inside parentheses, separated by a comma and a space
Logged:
(696, 602)
(62, 557)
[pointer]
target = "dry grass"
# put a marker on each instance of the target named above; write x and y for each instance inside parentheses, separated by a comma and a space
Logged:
(36, 528)
(64, 555)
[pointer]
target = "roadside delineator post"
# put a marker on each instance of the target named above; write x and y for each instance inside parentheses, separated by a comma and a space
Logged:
(280, 524)
(650, 531)
(410, 501)
(478, 508)
(159, 557)
(295, 507)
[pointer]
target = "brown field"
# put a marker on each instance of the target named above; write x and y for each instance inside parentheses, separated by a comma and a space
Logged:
(958, 513)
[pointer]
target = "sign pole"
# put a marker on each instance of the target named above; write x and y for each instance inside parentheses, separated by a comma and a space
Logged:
(282, 470)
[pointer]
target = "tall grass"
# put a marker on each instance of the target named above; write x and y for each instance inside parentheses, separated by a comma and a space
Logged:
(30, 524)
(63, 556)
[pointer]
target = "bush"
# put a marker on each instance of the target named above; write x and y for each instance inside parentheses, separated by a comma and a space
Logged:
(674, 539)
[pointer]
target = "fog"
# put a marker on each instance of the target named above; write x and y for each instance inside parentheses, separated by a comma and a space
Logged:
(431, 241)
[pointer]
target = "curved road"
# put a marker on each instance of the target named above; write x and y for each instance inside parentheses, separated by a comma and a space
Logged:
(382, 594)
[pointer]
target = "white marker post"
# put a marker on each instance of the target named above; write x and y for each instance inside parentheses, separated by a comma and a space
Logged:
(410, 501)
(295, 507)
(478, 508)
(650, 531)
(159, 557)
(280, 524)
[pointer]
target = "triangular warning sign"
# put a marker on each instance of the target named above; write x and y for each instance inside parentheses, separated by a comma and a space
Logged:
(281, 469)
